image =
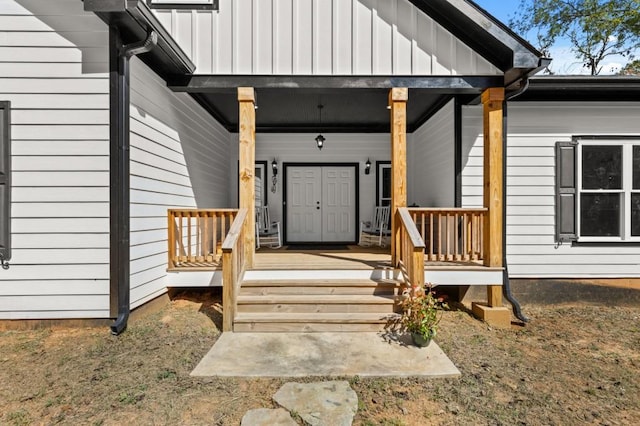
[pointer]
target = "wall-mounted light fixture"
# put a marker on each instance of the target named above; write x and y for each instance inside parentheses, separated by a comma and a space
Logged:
(320, 139)
(367, 167)
(274, 175)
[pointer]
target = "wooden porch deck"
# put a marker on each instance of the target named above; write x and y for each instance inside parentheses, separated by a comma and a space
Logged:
(354, 257)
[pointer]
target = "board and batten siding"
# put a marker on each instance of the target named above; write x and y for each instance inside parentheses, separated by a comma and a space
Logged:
(324, 37)
(54, 70)
(533, 130)
(179, 159)
(430, 161)
(301, 148)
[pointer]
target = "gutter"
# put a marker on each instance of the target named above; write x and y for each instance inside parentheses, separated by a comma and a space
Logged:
(524, 80)
(119, 93)
(134, 21)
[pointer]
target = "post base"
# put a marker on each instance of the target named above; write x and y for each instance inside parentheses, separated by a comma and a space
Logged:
(499, 317)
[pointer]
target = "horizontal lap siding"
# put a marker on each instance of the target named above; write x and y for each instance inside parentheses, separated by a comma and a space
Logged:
(430, 157)
(53, 69)
(325, 37)
(533, 131)
(179, 159)
(472, 157)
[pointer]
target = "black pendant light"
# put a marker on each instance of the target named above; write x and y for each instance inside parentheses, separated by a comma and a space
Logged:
(320, 139)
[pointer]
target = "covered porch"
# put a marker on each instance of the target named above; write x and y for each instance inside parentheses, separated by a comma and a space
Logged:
(442, 246)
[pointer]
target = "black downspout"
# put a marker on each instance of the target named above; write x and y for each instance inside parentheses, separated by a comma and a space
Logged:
(119, 181)
(506, 286)
(457, 135)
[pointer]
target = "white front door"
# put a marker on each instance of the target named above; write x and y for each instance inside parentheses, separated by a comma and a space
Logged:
(304, 196)
(338, 204)
(321, 204)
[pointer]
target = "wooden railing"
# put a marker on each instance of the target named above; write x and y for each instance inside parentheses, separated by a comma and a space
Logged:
(410, 251)
(233, 266)
(195, 237)
(451, 235)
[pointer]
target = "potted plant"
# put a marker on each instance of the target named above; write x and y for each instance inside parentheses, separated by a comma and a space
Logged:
(420, 315)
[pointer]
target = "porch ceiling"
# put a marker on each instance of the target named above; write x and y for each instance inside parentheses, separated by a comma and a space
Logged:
(345, 111)
(351, 104)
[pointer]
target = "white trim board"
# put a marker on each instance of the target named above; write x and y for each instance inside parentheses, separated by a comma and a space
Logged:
(457, 277)
(194, 279)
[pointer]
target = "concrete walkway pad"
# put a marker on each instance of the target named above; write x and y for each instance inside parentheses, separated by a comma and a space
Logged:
(322, 354)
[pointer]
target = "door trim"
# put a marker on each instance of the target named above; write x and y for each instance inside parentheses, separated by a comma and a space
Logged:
(286, 165)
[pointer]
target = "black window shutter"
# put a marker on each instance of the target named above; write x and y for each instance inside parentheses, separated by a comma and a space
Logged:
(566, 194)
(5, 180)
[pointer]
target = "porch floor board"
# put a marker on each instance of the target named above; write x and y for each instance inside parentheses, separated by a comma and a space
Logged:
(354, 258)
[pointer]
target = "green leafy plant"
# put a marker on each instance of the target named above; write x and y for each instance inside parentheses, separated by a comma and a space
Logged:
(420, 312)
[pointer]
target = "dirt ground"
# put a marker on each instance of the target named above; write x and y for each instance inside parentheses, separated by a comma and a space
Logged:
(573, 364)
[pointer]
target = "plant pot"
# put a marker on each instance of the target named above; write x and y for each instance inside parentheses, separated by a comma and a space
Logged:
(420, 341)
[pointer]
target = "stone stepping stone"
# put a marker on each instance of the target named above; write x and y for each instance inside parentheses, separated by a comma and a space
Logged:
(331, 403)
(268, 417)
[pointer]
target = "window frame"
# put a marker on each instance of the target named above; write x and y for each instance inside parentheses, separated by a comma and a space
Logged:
(627, 144)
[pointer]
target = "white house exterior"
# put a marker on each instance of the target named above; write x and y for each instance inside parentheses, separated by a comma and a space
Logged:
(55, 79)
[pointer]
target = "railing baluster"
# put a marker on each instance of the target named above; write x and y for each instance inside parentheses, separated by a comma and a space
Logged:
(214, 230)
(449, 238)
(476, 239)
(171, 239)
(181, 250)
(456, 248)
(206, 244)
(469, 226)
(423, 223)
(432, 242)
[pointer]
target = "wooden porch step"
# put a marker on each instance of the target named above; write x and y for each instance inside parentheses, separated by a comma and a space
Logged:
(312, 322)
(320, 287)
(317, 303)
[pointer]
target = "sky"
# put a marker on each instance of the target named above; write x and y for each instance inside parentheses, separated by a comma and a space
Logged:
(564, 60)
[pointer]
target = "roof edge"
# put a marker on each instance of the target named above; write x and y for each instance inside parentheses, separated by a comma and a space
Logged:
(582, 88)
(485, 34)
(134, 20)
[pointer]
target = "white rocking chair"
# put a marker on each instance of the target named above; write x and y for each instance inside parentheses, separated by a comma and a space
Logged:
(377, 231)
(267, 232)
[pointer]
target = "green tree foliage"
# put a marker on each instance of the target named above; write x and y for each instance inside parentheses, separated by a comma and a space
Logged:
(596, 29)
(632, 68)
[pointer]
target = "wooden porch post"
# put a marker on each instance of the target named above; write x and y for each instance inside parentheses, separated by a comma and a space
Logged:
(492, 101)
(246, 170)
(398, 102)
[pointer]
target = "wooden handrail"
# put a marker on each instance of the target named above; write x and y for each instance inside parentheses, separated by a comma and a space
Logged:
(451, 234)
(234, 232)
(411, 249)
(195, 236)
(233, 266)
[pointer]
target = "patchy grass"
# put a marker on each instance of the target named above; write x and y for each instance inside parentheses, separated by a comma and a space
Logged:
(576, 364)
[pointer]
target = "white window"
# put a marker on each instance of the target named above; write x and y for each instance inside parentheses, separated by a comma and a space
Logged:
(383, 185)
(608, 189)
